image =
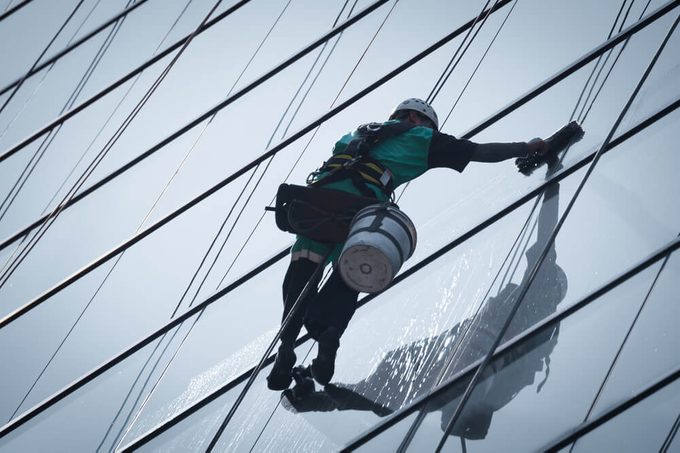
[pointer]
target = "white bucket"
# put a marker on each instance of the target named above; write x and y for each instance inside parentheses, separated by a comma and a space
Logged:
(380, 239)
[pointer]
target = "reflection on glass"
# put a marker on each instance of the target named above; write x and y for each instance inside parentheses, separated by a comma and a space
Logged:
(644, 427)
(501, 406)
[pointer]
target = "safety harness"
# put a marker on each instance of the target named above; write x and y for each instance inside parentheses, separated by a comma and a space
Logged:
(325, 215)
(356, 164)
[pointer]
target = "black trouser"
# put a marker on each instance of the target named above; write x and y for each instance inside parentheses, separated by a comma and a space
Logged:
(332, 306)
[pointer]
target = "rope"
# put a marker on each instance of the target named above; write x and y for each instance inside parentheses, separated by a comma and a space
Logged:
(42, 148)
(479, 63)
(42, 54)
(615, 360)
(99, 157)
(127, 353)
(71, 47)
(443, 78)
(267, 353)
(534, 270)
(82, 313)
(671, 436)
(186, 335)
(457, 57)
(223, 104)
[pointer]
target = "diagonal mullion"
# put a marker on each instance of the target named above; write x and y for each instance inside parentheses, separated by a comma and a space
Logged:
(71, 47)
(520, 339)
(282, 254)
(270, 153)
(559, 76)
(217, 393)
(119, 358)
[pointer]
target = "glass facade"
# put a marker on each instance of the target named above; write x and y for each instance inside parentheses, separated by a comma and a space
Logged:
(130, 193)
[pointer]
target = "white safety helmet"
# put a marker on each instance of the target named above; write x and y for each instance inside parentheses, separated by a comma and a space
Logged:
(420, 106)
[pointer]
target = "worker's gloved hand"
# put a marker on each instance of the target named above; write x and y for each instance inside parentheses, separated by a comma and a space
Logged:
(537, 147)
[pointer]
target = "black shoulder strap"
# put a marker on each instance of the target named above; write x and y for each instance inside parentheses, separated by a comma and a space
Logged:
(373, 133)
(355, 162)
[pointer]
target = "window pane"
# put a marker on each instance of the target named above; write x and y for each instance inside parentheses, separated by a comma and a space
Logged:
(643, 427)
(651, 349)
(547, 383)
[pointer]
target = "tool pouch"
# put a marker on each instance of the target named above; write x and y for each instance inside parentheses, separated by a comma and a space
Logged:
(320, 214)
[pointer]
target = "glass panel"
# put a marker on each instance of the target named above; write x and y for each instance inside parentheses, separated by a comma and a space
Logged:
(628, 197)
(424, 307)
(102, 313)
(229, 338)
(643, 427)
(421, 311)
(651, 349)
(33, 26)
(391, 441)
(556, 373)
(194, 433)
(662, 86)
(79, 423)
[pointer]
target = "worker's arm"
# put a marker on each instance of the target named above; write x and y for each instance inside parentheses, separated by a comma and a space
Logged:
(450, 152)
(497, 152)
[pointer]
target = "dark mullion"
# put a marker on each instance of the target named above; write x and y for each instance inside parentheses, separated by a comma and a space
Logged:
(524, 337)
(585, 428)
(163, 330)
(481, 126)
(53, 59)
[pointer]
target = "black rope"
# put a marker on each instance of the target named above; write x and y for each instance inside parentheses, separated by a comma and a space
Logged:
(432, 97)
(49, 138)
(8, 12)
(579, 63)
(612, 412)
(139, 236)
(186, 335)
(4, 278)
(606, 60)
(521, 339)
(524, 288)
(671, 436)
(282, 254)
(615, 360)
(267, 353)
(547, 322)
(42, 54)
(479, 63)
(71, 47)
(440, 82)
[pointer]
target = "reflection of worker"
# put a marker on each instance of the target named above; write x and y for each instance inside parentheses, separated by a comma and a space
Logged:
(422, 365)
(392, 154)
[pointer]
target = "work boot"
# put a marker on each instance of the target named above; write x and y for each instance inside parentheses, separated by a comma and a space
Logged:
(323, 366)
(280, 376)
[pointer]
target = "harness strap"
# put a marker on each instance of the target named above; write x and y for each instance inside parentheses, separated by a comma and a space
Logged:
(354, 162)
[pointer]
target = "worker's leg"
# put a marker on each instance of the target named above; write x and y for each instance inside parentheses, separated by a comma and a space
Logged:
(327, 318)
(300, 272)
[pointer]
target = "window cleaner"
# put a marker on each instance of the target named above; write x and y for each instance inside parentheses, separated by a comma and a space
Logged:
(366, 166)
